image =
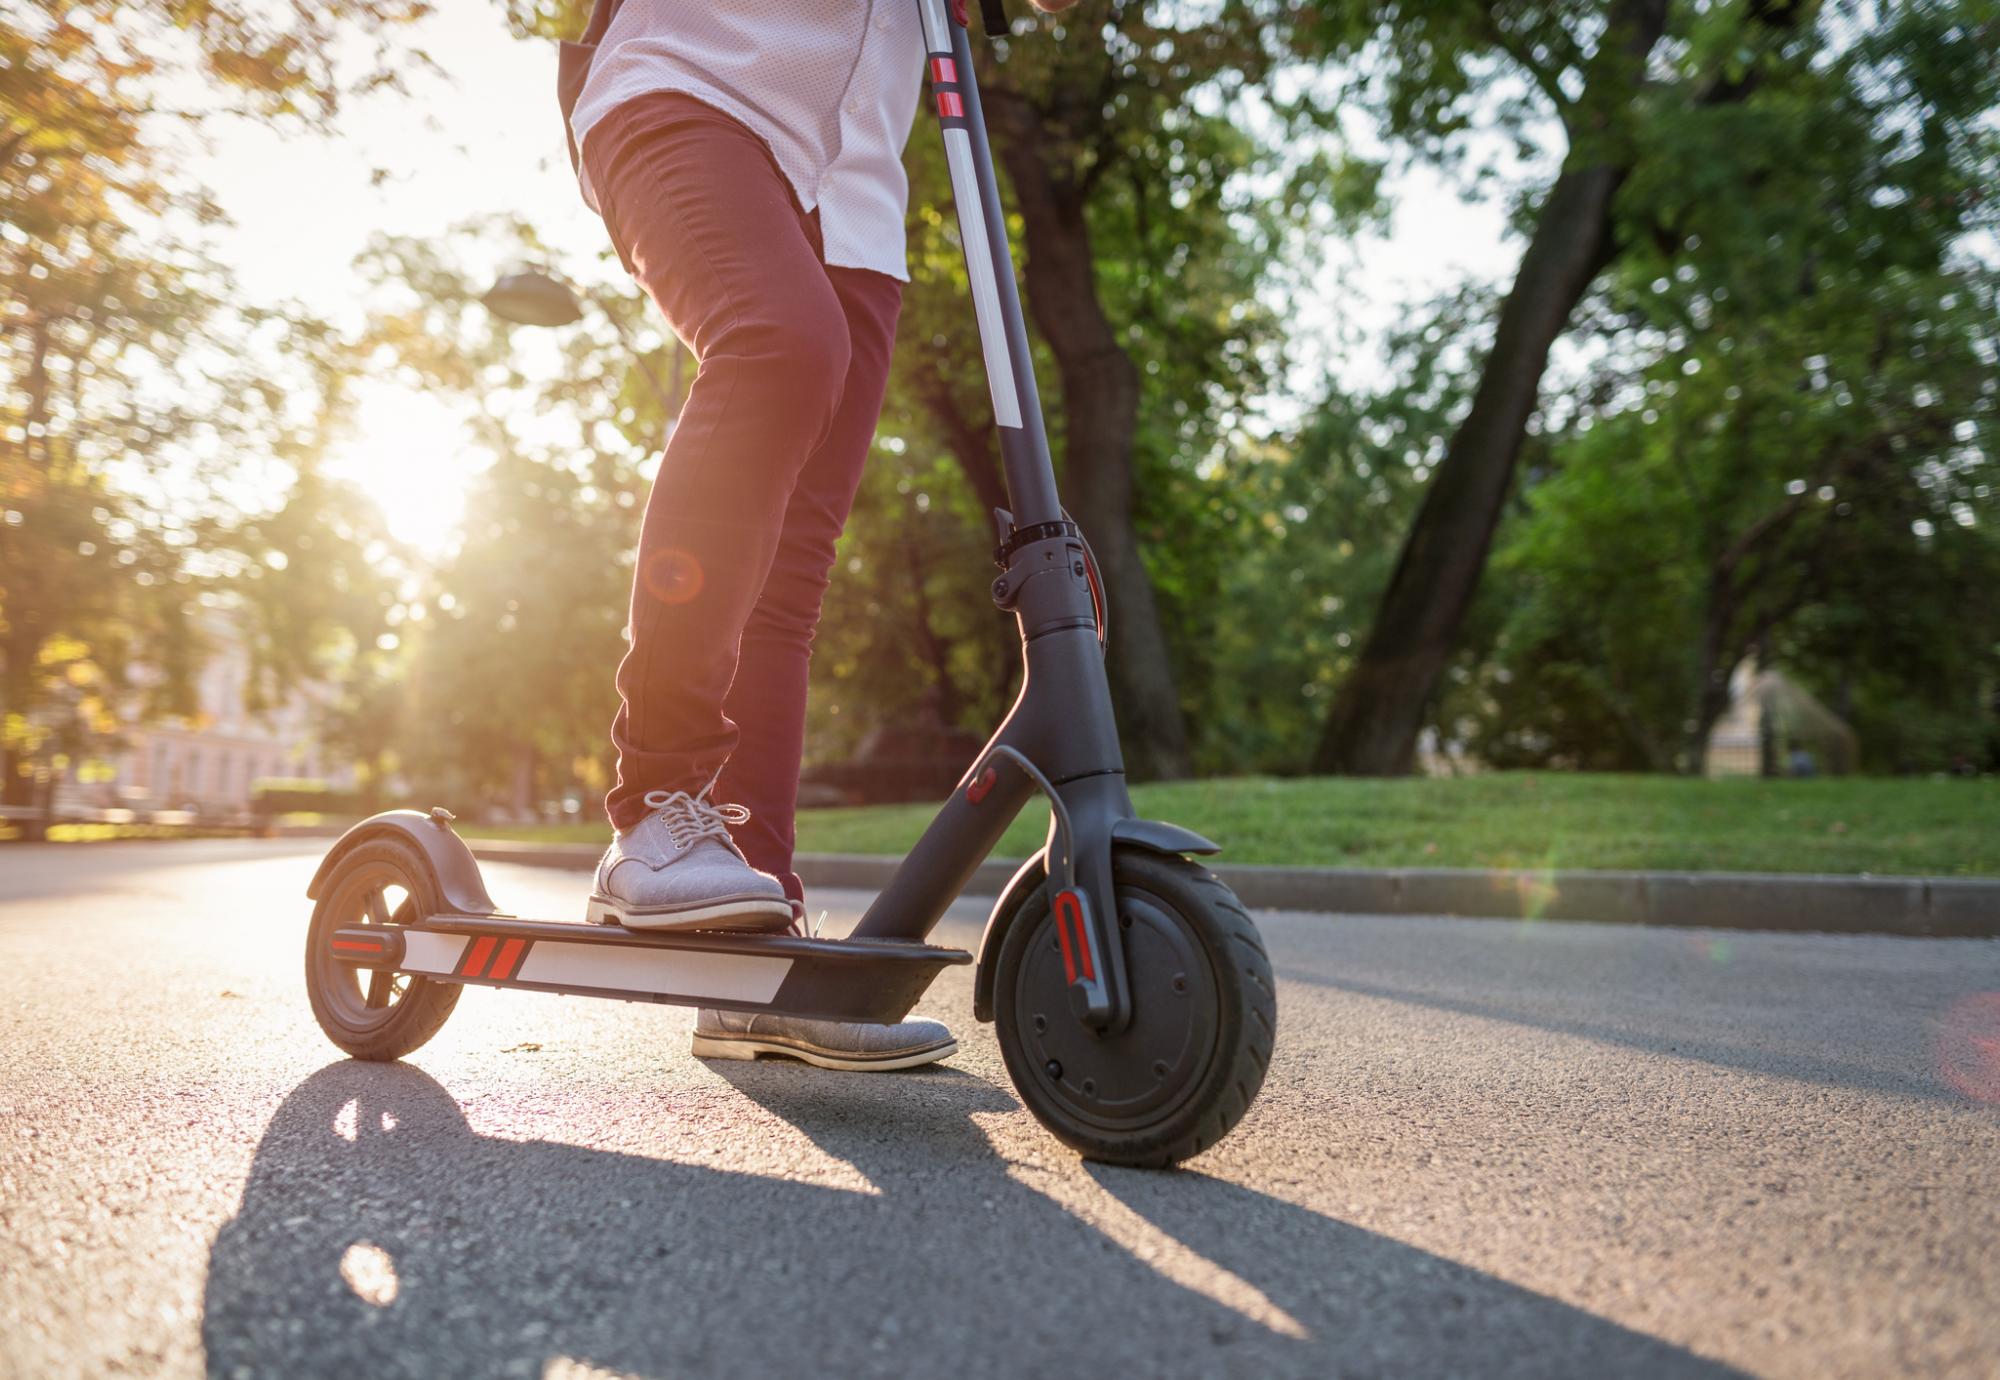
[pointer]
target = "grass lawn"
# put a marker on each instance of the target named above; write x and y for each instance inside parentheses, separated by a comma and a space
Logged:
(1518, 819)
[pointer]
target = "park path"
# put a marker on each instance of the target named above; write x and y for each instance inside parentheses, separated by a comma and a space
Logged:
(1485, 1148)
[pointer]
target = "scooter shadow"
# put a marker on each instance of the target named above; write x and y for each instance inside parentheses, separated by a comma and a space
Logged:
(514, 1257)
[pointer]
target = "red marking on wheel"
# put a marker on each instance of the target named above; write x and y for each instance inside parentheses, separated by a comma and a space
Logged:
(482, 949)
(510, 953)
(950, 107)
(358, 946)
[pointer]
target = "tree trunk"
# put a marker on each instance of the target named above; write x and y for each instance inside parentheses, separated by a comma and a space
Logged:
(971, 444)
(1373, 726)
(1100, 393)
(936, 651)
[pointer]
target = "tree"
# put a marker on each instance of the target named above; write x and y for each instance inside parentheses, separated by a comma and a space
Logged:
(514, 635)
(1141, 250)
(133, 379)
(1794, 450)
(1142, 253)
(1609, 85)
(1837, 519)
(1305, 531)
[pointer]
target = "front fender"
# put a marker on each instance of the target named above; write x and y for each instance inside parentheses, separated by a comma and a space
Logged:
(1012, 897)
(1151, 834)
(453, 867)
(1161, 837)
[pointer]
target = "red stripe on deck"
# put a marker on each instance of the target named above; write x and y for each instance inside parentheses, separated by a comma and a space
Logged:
(482, 949)
(503, 966)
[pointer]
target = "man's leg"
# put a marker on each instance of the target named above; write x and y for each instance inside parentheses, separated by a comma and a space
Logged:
(767, 701)
(713, 234)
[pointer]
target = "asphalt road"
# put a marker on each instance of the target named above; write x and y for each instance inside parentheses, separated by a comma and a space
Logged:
(1485, 1148)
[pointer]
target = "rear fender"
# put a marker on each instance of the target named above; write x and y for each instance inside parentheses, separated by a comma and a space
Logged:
(452, 865)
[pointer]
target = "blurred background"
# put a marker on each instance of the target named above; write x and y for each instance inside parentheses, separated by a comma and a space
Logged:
(1461, 392)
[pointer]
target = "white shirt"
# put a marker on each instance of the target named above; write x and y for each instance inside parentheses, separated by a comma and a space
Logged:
(830, 85)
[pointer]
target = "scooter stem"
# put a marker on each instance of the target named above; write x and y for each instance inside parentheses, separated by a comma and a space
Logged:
(996, 301)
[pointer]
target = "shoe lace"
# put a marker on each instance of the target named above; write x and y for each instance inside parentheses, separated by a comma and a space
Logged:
(690, 819)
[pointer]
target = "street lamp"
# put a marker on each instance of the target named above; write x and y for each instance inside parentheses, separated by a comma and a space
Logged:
(529, 297)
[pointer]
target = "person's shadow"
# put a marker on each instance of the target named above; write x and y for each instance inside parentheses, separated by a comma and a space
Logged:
(379, 1235)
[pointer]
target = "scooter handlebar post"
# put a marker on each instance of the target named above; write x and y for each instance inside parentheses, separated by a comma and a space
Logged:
(989, 268)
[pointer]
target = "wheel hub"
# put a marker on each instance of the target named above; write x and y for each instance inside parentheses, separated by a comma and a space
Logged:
(1143, 1072)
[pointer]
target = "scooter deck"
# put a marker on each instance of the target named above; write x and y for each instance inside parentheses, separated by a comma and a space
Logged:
(872, 980)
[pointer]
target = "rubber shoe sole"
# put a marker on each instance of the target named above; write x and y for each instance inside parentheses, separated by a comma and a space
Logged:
(762, 913)
(748, 1047)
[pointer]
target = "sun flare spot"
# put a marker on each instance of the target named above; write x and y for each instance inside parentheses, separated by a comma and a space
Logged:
(370, 1273)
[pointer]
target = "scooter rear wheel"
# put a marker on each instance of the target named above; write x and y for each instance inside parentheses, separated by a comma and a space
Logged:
(374, 1013)
(1204, 1017)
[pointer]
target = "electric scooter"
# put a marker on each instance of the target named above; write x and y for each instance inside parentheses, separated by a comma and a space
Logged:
(1130, 992)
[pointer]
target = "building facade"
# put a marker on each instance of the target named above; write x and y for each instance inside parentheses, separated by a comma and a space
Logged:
(208, 764)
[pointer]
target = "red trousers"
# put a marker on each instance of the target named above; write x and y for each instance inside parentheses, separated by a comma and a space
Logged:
(761, 470)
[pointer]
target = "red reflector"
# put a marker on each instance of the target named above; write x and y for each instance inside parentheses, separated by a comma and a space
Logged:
(950, 107)
(943, 69)
(981, 786)
(369, 947)
(1069, 914)
(1062, 935)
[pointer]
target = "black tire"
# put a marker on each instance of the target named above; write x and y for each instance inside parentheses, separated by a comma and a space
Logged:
(379, 881)
(1204, 1018)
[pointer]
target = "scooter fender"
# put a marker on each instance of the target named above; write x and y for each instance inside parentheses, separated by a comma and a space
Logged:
(1012, 897)
(452, 865)
(1152, 834)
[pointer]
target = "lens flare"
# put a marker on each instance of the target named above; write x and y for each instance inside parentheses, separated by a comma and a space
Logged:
(671, 575)
(1968, 1049)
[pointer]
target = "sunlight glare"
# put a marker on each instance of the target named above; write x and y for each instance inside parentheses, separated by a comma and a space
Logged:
(410, 454)
(1071, 1187)
(370, 1273)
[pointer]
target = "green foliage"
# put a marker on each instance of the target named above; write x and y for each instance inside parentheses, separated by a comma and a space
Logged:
(135, 385)
(1156, 127)
(1793, 448)
(1306, 532)
(511, 640)
(1775, 435)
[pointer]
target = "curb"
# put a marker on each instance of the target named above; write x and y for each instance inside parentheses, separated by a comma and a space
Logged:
(1916, 907)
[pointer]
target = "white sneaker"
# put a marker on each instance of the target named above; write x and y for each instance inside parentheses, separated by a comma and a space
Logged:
(823, 1044)
(678, 869)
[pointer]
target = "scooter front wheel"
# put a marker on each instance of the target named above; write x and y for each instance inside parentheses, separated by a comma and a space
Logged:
(1204, 1017)
(374, 1013)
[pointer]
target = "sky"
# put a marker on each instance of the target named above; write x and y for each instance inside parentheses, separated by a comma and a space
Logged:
(486, 139)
